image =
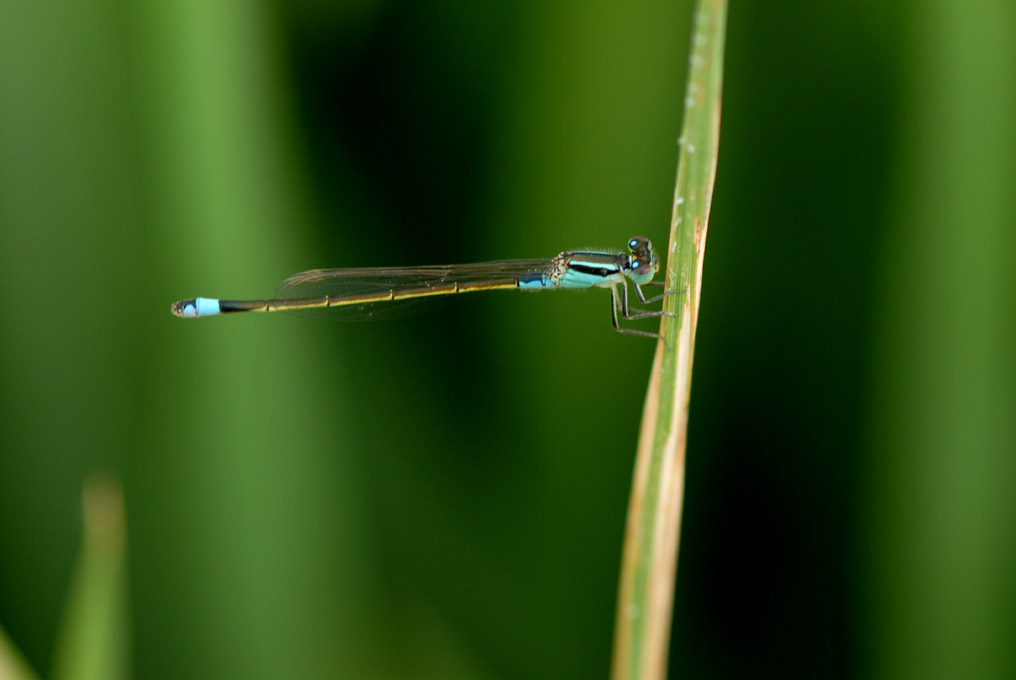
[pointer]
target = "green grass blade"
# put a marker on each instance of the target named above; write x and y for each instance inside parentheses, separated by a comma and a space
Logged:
(12, 665)
(648, 569)
(938, 461)
(93, 638)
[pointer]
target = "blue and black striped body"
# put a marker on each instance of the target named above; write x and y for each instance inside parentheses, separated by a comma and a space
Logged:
(578, 270)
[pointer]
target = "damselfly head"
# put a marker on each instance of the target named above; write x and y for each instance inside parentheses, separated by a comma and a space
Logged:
(643, 261)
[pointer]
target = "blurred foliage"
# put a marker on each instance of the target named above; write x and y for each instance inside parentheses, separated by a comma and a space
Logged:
(93, 641)
(444, 496)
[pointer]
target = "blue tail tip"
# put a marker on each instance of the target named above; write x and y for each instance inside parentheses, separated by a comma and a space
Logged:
(190, 309)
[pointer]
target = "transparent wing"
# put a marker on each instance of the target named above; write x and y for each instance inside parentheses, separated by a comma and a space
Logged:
(405, 290)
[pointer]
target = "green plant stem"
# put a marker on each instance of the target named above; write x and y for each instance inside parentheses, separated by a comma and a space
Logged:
(645, 598)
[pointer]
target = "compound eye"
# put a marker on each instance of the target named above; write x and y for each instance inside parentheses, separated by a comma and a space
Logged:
(638, 245)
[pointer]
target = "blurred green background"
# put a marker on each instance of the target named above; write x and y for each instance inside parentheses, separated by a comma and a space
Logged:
(444, 496)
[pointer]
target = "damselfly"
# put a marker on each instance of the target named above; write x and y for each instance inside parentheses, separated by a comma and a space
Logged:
(375, 292)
